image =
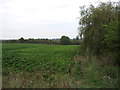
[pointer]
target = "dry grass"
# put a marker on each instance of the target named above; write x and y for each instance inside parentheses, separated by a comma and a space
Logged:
(37, 80)
(83, 60)
(24, 80)
(105, 60)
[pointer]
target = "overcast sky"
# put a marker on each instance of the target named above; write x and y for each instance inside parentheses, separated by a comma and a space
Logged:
(40, 18)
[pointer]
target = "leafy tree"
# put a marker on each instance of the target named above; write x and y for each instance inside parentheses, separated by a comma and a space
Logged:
(111, 40)
(65, 40)
(92, 22)
(99, 29)
(111, 36)
(21, 40)
(77, 37)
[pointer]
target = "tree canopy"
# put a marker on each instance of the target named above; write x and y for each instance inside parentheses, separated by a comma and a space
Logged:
(65, 40)
(99, 27)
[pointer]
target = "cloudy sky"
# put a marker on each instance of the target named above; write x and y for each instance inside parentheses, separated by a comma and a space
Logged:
(40, 18)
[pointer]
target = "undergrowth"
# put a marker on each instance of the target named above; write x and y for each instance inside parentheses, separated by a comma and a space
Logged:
(98, 75)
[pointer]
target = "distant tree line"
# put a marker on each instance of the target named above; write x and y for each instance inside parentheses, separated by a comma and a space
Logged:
(63, 41)
(100, 30)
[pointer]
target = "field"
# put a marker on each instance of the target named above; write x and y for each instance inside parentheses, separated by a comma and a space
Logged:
(54, 66)
(39, 63)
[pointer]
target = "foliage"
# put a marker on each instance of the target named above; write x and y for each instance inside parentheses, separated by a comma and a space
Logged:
(53, 66)
(77, 37)
(49, 65)
(65, 40)
(99, 31)
(41, 41)
(99, 28)
(26, 56)
(111, 36)
(76, 41)
(111, 40)
(95, 75)
(21, 40)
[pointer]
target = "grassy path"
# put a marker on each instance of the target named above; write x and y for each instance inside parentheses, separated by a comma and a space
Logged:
(94, 74)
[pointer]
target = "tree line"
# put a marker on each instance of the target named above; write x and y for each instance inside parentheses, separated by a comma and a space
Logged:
(64, 40)
(100, 30)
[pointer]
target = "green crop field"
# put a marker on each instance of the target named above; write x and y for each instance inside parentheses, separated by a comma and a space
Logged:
(46, 60)
(53, 66)
(46, 57)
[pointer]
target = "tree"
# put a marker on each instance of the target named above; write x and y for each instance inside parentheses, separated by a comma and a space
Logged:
(77, 37)
(99, 29)
(92, 23)
(65, 40)
(21, 40)
(111, 40)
